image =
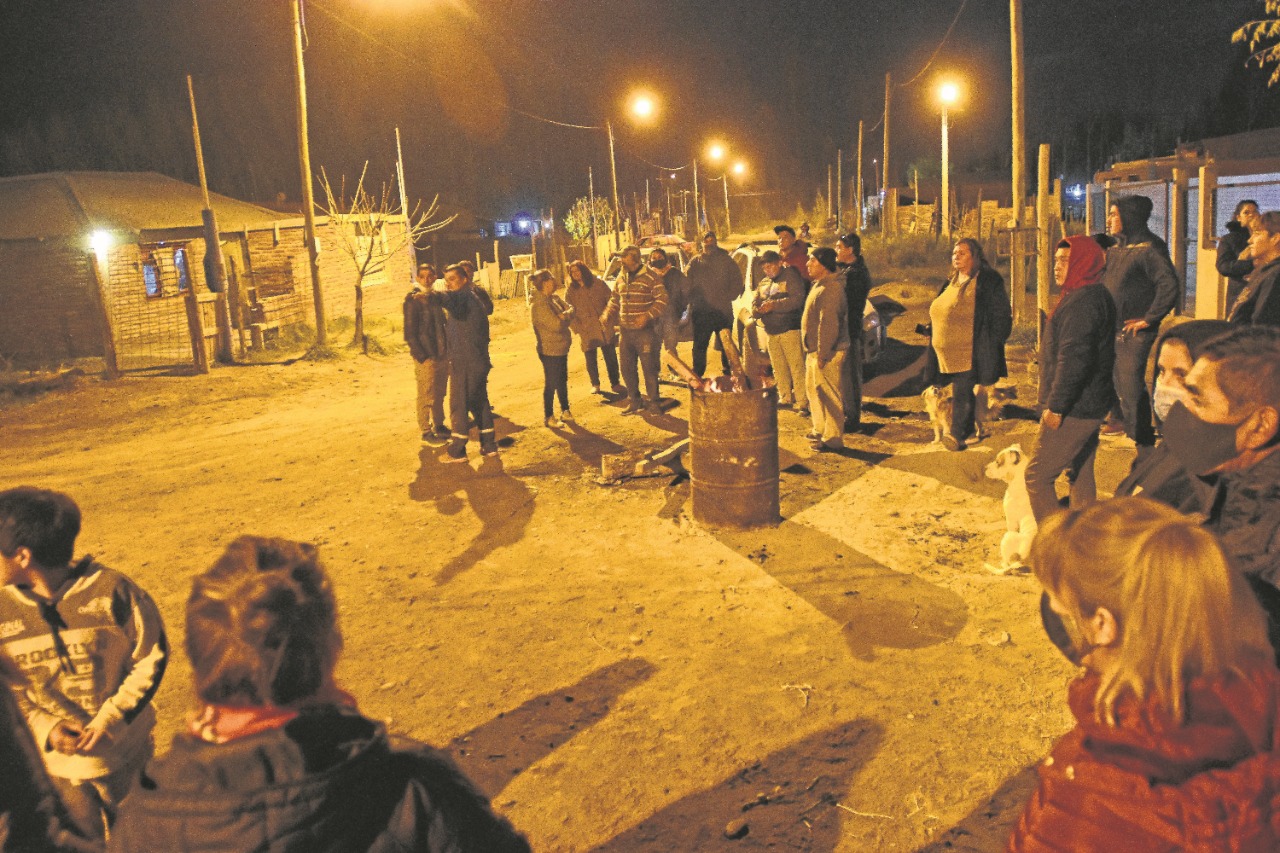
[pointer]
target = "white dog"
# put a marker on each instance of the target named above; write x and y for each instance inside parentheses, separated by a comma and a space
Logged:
(1010, 466)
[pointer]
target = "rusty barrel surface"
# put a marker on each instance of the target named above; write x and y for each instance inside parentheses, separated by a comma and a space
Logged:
(733, 457)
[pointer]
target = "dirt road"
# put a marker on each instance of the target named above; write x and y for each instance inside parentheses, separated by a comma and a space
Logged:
(614, 676)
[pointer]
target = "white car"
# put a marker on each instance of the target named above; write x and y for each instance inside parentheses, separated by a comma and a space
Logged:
(751, 335)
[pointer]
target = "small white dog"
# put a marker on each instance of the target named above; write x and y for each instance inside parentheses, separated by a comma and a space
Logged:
(1010, 466)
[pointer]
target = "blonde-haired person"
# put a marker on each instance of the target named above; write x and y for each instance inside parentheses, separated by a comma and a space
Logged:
(276, 756)
(1176, 736)
(551, 319)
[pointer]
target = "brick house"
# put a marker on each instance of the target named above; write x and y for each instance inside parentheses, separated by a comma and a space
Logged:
(142, 234)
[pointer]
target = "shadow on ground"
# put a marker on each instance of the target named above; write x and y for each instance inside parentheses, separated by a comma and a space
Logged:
(988, 826)
(501, 502)
(898, 371)
(961, 470)
(493, 754)
(874, 606)
(787, 801)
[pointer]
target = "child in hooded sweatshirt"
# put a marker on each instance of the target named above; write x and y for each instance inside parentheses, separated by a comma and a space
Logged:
(1176, 744)
(91, 650)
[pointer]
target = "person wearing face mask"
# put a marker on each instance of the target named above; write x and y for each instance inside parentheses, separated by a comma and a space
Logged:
(1235, 261)
(1159, 474)
(677, 286)
(1178, 700)
(1076, 390)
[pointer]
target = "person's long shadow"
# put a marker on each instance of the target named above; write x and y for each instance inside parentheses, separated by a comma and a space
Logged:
(787, 800)
(988, 827)
(493, 754)
(502, 503)
(874, 605)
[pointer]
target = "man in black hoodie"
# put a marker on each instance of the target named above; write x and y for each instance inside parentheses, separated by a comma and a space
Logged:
(857, 286)
(1142, 283)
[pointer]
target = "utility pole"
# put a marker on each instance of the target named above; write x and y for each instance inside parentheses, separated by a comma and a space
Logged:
(830, 204)
(214, 275)
(888, 226)
(857, 184)
(697, 220)
(613, 168)
(946, 178)
(839, 190)
(591, 195)
(304, 166)
(1017, 267)
(1044, 255)
(728, 224)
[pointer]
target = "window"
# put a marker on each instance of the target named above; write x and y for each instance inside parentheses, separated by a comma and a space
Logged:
(166, 269)
(501, 229)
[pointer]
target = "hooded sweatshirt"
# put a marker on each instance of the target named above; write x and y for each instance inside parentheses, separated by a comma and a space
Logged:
(1139, 275)
(1079, 350)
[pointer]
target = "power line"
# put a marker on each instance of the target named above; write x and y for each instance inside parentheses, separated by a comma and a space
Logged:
(936, 51)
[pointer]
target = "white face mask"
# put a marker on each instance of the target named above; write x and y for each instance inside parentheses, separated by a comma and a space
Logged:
(1166, 394)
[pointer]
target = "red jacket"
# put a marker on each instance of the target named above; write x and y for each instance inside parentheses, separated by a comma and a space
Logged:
(1146, 784)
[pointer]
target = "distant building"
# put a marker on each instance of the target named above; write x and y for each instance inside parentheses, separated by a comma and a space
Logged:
(1194, 192)
(142, 234)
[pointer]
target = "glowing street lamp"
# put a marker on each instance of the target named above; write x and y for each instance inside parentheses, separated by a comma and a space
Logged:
(948, 96)
(642, 106)
(739, 169)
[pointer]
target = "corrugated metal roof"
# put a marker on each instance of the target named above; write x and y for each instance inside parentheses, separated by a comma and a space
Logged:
(72, 204)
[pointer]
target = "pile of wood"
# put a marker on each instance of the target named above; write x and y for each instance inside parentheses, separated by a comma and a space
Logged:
(737, 380)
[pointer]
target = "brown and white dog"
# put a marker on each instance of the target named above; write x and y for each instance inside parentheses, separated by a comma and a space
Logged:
(988, 405)
(1010, 466)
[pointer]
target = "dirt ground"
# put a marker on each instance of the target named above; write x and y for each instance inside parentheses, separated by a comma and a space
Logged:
(616, 677)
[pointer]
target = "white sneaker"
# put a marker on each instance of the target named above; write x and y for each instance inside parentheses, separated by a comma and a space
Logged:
(554, 423)
(566, 416)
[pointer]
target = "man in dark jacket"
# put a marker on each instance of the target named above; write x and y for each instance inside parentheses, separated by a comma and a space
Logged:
(779, 306)
(714, 282)
(1144, 287)
(1076, 391)
(1259, 303)
(857, 287)
(1234, 261)
(467, 310)
(424, 333)
(676, 284)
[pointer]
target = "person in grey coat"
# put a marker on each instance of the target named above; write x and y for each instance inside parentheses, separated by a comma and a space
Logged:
(825, 334)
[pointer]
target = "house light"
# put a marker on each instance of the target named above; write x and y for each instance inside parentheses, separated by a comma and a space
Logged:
(100, 241)
(523, 224)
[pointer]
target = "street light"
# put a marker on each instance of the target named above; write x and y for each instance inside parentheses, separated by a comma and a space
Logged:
(642, 106)
(948, 95)
(739, 169)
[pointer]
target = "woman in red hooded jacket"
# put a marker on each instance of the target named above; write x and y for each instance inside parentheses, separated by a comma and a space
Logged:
(1176, 744)
(1076, 389)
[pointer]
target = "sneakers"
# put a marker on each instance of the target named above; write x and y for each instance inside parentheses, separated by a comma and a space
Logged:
(566, 416)
(952, 443)
(595, 389)
(1112, 429)
(619, 390)
(434, 438)
(804, 413)
(489, 449)
(456, 453)
(632, 409)
(653, 408)
(554, 423)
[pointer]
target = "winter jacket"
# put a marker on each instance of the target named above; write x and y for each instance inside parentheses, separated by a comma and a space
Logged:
(825, 324)
(1148, 784)
(797, 257)
(589, 302)
(637, 302)
(1230, 247)
(992, 324)
(857, 287)
(1259, 303)
(786, 294)
(467, 328)
(32, 817)
(95, 653)
(551, 318)
(676, 284)
(714, 281)
(424, 325)
(1079, 355)
(1139, 274)
(1161, 476)
(1244, 511)
(329, 781)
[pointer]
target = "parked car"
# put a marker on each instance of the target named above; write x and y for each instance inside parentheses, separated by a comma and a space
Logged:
(751, 335)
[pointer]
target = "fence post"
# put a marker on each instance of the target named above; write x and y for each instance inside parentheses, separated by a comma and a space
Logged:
(1044, 255)
(1178, 233)
(99, 296)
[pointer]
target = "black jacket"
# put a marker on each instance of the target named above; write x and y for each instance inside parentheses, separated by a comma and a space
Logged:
(1259, 305)
(1079, 354)
(992, 324)
(1139, 274)
(467, 328)
(424, 325)
(1229, 265)
(329, 781)
(857, 287)
(714, 281)
(676, 284)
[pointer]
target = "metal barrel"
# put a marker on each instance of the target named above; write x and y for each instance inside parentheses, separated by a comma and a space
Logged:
(733, 457)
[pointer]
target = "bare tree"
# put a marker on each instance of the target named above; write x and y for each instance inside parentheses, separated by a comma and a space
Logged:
(359, 228)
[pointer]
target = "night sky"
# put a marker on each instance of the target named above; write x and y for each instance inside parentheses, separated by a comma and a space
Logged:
(101, 85)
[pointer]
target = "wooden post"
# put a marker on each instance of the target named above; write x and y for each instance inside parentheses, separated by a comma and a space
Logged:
(1044, 254)
(890, 227)
(237, 303)
(1017, 290)
(304, 167)
(99, 296)
(215, 275)
(839, 190)
(857, 184)
(830, 205)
